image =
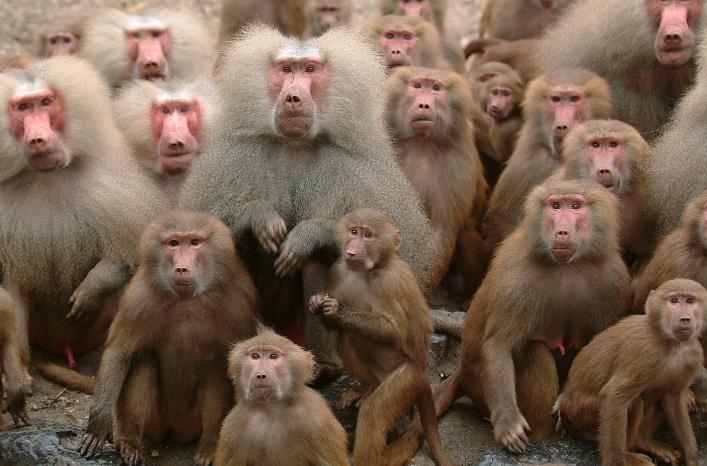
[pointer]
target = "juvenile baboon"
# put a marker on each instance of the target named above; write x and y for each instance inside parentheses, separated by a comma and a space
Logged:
(162, 370)
(643, 48)
(72, 204)
(519, 19)
(427, 112)
(151, 44)
(326, 14)
(681, 254)
(557, 281)
(676, 172)
(635, 374)
(613, 154)
(373, 299)
(13, 370)
(406, 41)
(166, 125)
(554, 103)
(270, 375)
(60, 36)
(434, 11)
(313, 147)
(288, 16)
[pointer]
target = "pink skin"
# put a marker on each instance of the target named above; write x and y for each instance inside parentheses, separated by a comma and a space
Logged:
(605, 161)
(264, 375)
(566, 111)
(37, 121)
(680, 316)
(149, 48)
(184, 264)
(356, 255)
(565, 225)
(416, 8)
(425, 96)
(176, 126)
(500, 103)
(674, 20)
(297, 87)
(399, 48)
(61, 43)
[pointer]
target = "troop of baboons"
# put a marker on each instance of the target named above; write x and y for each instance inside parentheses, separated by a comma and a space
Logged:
(236, 218)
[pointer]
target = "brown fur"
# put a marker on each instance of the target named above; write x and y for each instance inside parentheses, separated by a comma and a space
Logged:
(68, 236)
(384, 324)
(343, 14)
(445, 168)
(518, 19)
(251, 176)
(162, 368)
(132, 109)
(629, 173)
(615, 39)
(429, 40)
(681, 254)
(13, 370)
(634, 374)
(14, 61)
(521, 54)
(288, 16)
(535, 156)
(301, 429)
(192, 52)
(526, 304)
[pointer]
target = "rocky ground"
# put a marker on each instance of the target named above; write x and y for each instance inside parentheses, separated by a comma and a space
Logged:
(59, 415)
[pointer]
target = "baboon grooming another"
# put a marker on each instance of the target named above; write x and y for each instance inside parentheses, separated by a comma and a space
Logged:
(72, 204)
(270, 374)
(162, 370)
(634, 374)
(384, 322)
(313, 147)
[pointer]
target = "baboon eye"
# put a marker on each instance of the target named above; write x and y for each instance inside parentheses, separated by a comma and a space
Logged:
(417, 85)
(407, 36)
(156, 33)
(24, 106)
(45, 102)
(576, 206)
(309, 69)
(53, 40)
(184, 109)
(274, 356)
(674, 300)
(613, 144)
(354, 231)
(174, 243)
(389, 35)
(195, 242)
(254, 356)
(287, 69)
(555, 206)
(596, 145)
(690, 301)
(555, 98)
(436, 87)
(574, 98)
(368, 235)
(166, 110)
(67, 40)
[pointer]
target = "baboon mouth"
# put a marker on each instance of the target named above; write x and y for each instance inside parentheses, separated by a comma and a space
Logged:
(562, 254)
(154, 77)
(44, 161)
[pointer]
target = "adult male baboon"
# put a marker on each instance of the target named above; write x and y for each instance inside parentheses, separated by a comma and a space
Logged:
(643, 48)
(72, 204)
(313, 147)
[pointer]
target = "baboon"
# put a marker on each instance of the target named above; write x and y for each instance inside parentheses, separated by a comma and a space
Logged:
(643, 48)
(434, 11)
(314, 146)
(326, 14)
(613, 154)
(500, 97)
(270, 375)
(519, 19)
(167, 124)
(151, 44)
(72, 204)
(162, 370)
(60, 36)
(427, 112)
(681, 254)
(635, 374)
(288, 16)
(406, 41)
(557, 281)
(373, 299)
(521, 55)
(554, 103)
(13, 370)
(676, 172)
